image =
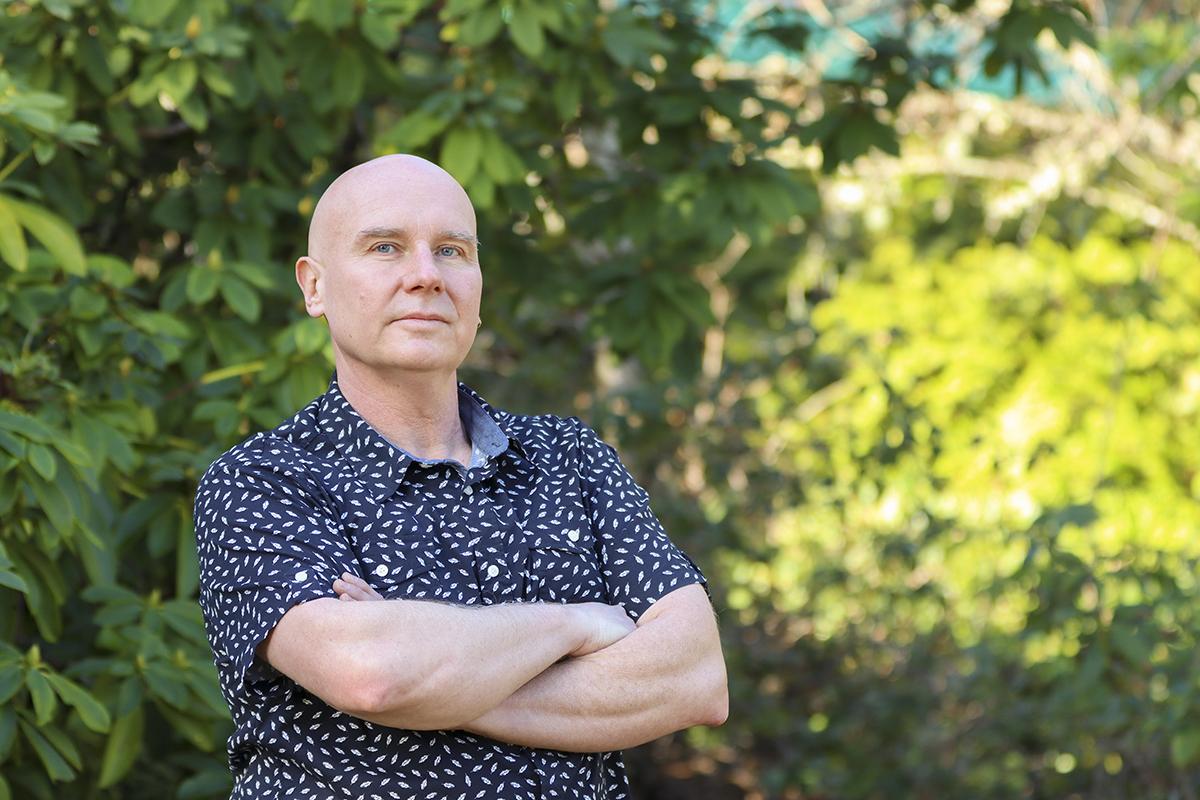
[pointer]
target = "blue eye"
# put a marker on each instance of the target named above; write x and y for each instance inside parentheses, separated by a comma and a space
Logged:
(379, 248)
(448, 251)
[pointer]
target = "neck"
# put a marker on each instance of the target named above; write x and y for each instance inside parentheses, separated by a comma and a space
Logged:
(418, 412)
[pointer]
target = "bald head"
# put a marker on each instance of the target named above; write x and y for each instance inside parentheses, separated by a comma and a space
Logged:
(361, 197)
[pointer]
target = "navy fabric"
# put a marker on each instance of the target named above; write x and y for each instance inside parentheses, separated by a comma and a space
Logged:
(546, 512)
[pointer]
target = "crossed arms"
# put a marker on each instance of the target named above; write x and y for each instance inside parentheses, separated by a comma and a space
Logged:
(579, 677)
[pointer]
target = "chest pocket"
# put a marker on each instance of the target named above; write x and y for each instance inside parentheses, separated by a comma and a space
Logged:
(400, 555)
(563, 566)
(407, 569)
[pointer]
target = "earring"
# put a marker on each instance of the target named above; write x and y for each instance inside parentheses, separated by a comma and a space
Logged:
(479, 323)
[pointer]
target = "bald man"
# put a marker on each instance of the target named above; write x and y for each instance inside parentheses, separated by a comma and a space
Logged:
(410, 593)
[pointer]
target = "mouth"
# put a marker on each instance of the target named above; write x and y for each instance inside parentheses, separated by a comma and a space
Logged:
(421, 318)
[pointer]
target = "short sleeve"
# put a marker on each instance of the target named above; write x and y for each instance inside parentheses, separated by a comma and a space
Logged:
(640, 563)
(264, 546)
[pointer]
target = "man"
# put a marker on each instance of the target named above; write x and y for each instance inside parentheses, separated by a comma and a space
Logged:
(412, 594)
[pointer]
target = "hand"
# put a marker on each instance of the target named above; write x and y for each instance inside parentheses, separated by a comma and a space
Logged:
(603, 625)
(352, 587)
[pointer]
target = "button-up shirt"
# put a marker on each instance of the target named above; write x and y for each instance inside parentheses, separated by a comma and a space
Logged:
(546, 512)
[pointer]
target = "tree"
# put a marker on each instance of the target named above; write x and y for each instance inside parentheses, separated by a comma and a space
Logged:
(159, 163)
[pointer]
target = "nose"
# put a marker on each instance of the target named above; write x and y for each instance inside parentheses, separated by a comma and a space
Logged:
(422, 272)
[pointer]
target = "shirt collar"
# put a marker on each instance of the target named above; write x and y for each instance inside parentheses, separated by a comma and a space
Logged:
(381, 464)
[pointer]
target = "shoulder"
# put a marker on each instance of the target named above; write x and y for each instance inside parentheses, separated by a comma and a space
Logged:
(285, 451)
(562, 442)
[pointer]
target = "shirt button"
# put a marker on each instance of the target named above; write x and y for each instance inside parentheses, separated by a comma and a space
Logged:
(573, 536)
(492, 570)
(468, 490)
(381, 570)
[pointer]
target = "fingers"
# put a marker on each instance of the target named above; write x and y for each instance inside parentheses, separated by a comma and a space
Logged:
(351, 587)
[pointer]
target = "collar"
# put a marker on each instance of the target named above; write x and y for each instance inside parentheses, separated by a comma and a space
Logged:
(382, 465)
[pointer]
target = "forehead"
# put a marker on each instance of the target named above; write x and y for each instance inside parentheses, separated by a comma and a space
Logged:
(421, 203)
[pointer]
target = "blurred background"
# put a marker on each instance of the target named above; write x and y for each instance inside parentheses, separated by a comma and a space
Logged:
(891, 307)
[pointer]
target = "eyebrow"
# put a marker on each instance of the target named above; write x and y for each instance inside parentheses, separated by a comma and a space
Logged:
(367, 234)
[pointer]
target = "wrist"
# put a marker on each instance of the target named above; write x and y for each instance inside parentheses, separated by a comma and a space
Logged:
(572, 625)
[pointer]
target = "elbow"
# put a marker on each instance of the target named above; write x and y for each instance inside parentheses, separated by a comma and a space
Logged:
(710, 705)
(718, 706)
(718, 694)
(374, 692)
(366, 687)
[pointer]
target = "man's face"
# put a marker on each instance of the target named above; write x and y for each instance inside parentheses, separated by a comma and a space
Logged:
(395, 242)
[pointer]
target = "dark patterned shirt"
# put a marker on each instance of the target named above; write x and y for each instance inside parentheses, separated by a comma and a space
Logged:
(545, 512)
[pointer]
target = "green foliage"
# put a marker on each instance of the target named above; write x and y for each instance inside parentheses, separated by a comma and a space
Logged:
(989, 585)
(940, 497)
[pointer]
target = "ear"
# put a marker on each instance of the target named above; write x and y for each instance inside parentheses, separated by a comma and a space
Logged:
(310, 277)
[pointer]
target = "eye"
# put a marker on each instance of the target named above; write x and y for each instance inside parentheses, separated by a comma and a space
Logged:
(386, 248)
(448, 251)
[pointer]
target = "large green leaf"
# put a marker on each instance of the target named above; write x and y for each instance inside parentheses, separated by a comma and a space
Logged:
(56, 766)
(12, 241)
(44, 702)
(461, 152)
(122, 748)
(526, 29)
(53, 232)
(91, 711)
(241, 297)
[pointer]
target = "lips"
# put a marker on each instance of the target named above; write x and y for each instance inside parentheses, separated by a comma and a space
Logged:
(430, 317)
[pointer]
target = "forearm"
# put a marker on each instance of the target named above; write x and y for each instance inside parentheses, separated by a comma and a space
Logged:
(425, 665)
(661, 678)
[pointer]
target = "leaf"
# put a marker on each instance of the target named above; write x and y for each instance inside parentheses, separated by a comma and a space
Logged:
(12, 241)
(123, 747)
(12, 580)
(44, 703)
(500, 161)
(63, 744)
(328, 16)
(567, 93)
(43, 461)
(12, 678)
(216, 80)
(73, 452)
(54, 505)
(194, 112)
(348, 76)
(202, 284)
(240, 297)
(310, 335)
(526, 31)
(12, 444)
(57, 768)
(178, 80)
(630, 42)
(164, 685)
(54, 233)
(461, 150)
(28, 426)
(188, 726)
(415, 130)
(208, 783)
(187, 566)
(91, 711)
(150, 13)
(481, 26)
(268, 70)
